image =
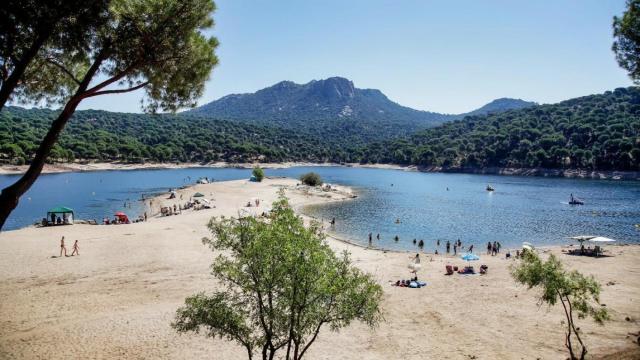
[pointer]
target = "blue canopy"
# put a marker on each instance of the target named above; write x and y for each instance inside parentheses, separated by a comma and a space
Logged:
(470, 257)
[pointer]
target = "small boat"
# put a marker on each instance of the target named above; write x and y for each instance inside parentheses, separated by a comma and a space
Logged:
(489, 188)
(575, 201)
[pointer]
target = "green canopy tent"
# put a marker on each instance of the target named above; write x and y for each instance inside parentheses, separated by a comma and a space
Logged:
(65, 215)
(198, 195)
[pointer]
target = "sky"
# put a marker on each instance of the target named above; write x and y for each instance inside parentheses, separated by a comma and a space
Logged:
(443, 56)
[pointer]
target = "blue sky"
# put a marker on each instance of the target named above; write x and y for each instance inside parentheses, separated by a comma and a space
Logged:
(443, 56)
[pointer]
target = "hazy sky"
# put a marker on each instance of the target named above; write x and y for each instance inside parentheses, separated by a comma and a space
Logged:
(444, 56)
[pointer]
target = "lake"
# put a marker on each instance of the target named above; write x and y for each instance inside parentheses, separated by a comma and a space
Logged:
(521, 208)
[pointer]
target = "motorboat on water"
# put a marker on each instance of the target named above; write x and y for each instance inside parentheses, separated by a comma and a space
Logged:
(490, 188)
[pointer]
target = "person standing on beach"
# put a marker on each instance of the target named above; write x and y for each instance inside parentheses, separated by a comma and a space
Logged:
(438, 243)
(62, 247)
(471, 248)
(455, 249)
(448, 246)
(498, 248)
(378, 236)
(145, 216)
(489, 247)
(370, 237)
(76, 249)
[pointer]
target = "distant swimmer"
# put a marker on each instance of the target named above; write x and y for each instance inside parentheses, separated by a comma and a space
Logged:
(398, 221)
(396, 238)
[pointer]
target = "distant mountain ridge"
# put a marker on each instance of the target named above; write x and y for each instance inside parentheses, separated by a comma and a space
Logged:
(334, 105)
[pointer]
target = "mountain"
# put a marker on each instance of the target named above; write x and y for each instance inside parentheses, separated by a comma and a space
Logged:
(596, 132)
(599, 132)
(501, 105)
(333, 106)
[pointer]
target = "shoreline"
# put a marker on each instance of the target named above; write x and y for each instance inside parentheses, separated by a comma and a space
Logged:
(130, 279)
(526, 172)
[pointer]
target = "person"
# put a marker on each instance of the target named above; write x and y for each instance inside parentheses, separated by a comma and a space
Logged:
(494, 249)
(396, 238)
(76, 249)
(508, 255)
(448, 246)
(415, 266)
(455, 248)
(489, 247)
(62, 247)
(459, 243)
(58, 220)
(145, 216)
(370, 237)
(498, 247)
(438, 242)
(53, 219)
(471, 248)
(257, 202)
(421, 244)
(378, 236)
(436, 251)
(414, 241)
(333, 221)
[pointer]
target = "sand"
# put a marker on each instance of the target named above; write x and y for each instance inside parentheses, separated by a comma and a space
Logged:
(118, 298)
(6, 169)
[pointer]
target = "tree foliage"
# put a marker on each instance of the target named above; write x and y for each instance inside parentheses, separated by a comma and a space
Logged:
(626, 31)
(282, 284)
(577, 293)
(155, 45)
(311, 179)
(258, 173)
(32, 32)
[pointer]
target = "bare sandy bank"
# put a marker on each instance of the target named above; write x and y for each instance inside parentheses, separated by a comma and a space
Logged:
(106, 166)
(117, 299)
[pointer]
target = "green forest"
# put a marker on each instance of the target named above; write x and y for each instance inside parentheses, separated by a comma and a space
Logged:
(600, 132)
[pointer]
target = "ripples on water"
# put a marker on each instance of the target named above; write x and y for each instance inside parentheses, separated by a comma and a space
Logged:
(521, 209)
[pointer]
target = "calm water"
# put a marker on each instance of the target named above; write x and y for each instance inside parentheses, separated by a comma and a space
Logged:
(521, 209)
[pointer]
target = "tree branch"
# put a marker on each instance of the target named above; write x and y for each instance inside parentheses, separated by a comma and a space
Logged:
(64, 69)
(118, 91)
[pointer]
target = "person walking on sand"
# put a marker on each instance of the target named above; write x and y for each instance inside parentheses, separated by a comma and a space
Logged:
(62, 247)
(471, 248)
(76, 249)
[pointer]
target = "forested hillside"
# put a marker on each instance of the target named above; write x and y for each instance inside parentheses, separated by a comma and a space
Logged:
(334, 106)
(107, 136)
(592, 132)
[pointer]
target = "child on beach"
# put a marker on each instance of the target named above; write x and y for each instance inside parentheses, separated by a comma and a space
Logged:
(76, 249)
(62, 247)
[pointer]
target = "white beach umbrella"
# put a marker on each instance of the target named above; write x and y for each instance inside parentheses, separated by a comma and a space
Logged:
(528, 246)
(582, 238)
(601, 239)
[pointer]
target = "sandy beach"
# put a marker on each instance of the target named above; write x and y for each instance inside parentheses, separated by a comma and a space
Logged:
(118, 298)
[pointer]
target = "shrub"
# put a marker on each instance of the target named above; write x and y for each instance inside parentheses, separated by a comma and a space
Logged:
(311, 179)
(258, 173)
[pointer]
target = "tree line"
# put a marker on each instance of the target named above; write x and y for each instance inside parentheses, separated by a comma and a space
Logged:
(599, 132)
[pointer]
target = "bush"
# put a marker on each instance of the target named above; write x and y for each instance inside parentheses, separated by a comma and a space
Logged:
(311, 179)
(282, 283)
(258, 173)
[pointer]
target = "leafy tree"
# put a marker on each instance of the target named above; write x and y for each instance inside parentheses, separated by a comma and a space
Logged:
(577, 293)
(283, 283)
(258, 173)
(155, 45)
(311, 179)
(32, 30)
(626, 31)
